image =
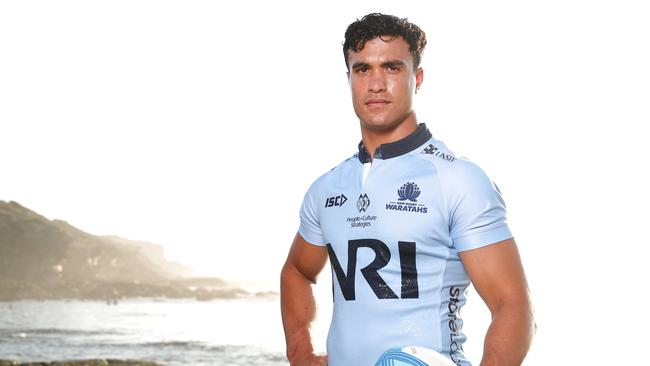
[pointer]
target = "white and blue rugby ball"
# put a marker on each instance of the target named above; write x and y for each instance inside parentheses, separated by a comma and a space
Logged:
(413, 356)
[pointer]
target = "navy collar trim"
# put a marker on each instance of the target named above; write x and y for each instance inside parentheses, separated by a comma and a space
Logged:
(399, 147)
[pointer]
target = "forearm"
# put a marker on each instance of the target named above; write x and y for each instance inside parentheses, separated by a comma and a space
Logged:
(298, 312)
(509, 336)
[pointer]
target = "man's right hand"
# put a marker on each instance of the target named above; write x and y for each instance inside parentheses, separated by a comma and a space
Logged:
(303, 264)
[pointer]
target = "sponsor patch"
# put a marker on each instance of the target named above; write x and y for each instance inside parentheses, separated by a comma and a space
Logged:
(432, 150)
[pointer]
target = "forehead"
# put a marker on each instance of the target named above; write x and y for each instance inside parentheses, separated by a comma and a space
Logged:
(381, 49)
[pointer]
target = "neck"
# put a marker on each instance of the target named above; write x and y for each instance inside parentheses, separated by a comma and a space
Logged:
(372, 139)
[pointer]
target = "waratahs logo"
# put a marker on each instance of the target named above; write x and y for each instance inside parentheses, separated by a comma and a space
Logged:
(409, 191)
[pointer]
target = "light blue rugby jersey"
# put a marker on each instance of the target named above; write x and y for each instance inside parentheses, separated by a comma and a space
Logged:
(393, 235)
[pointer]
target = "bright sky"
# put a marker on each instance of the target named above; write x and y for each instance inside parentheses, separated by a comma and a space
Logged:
(200, 126)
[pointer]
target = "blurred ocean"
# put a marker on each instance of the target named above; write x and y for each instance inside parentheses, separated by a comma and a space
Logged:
(170, 332)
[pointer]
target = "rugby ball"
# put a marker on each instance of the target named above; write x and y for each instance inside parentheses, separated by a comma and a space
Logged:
(413, 356)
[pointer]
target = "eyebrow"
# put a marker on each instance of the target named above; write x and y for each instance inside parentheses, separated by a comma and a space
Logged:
(390, 63)
(359, 65)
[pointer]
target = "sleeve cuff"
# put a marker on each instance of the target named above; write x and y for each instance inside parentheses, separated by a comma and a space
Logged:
(478, 240)
(311, 237)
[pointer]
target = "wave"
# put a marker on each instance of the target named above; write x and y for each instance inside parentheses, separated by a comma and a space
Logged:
(184, 345)
(201, 353)
(32, 332)
(197, 346)
(170, 353)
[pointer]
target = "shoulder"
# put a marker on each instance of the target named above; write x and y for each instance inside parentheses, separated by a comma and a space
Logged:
(454, 171)
(439, 154)
(337, 174)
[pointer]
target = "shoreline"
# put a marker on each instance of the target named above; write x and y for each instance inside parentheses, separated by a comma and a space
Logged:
(113, 292)
(89, 362)
(267, 295)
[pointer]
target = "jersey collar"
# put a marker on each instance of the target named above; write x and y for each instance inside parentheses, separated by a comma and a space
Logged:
(399, 147)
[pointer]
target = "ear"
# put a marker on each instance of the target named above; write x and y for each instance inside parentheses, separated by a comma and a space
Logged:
(419, 78)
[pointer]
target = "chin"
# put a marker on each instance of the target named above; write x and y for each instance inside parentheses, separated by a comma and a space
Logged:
(379, 127)
(380, 124)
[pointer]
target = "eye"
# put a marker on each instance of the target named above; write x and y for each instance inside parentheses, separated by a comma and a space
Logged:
(393, 68)
(361, 70)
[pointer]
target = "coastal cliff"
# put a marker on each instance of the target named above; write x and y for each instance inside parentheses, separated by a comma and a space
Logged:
(51, 259)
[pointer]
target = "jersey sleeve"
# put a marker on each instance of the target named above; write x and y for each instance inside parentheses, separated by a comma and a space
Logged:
(476, 209)
(310, 228)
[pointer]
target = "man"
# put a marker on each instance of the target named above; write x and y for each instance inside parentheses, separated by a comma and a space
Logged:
(406, 225)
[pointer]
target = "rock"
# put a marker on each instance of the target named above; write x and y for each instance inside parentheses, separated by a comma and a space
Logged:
(267, 294)
(94, 362)
(130, 363)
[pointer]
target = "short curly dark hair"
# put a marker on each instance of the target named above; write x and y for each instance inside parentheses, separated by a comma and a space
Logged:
(376, 25)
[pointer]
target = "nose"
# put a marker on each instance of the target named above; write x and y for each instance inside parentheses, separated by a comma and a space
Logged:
(376, 83)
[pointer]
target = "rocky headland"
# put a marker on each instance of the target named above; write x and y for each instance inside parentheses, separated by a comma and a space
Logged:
(44, 259)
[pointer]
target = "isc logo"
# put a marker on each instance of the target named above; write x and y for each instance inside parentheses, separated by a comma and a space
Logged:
(409, 289)
(336, 201)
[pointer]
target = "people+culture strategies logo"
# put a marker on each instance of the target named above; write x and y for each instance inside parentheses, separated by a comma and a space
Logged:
(362, 221)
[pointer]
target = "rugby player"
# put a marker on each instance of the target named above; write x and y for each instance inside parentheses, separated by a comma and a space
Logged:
(406, 225)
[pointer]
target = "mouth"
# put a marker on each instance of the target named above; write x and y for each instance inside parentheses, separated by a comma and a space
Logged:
(376, 102)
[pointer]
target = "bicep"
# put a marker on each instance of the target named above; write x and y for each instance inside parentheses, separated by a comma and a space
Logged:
(496, 272)
(305, 258)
